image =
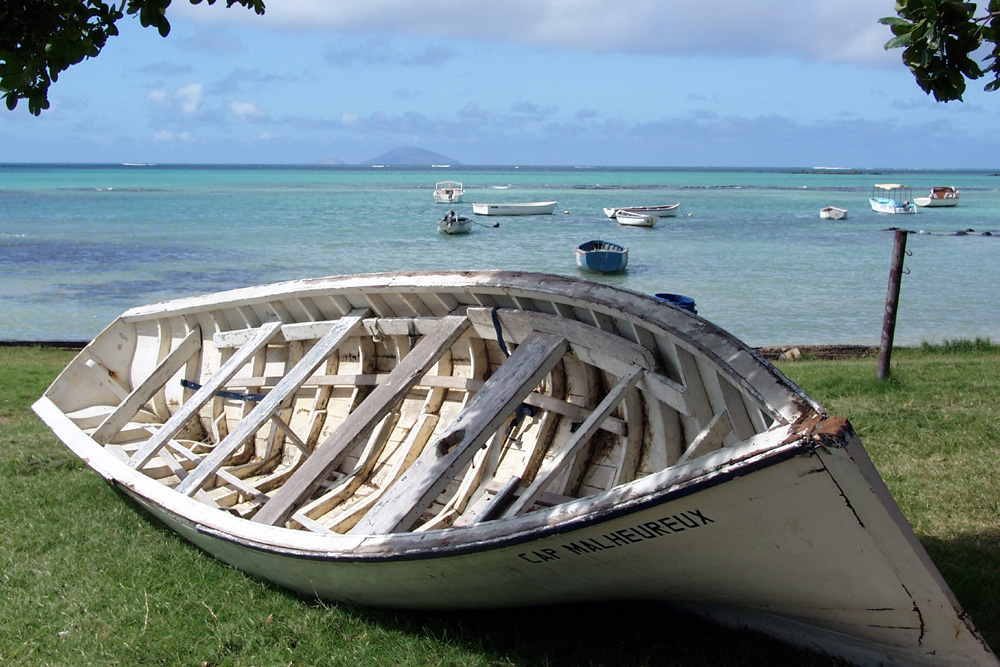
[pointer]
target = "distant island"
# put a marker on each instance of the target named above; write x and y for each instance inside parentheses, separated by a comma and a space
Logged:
(416, 157)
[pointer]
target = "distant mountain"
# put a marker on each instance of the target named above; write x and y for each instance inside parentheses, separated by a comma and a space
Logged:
(411, 157)
(329, 161)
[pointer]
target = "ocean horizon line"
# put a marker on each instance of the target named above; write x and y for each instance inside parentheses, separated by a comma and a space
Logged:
(321, 166)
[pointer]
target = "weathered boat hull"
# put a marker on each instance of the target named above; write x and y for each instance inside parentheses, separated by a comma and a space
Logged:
(708, 481)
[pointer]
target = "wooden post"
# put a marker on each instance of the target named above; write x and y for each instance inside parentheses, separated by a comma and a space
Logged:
(891, 303)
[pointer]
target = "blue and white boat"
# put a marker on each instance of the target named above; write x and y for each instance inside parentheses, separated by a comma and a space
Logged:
(892, 198)
(601, 256)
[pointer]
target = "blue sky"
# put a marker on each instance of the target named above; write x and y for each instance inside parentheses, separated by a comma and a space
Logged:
(541, 82)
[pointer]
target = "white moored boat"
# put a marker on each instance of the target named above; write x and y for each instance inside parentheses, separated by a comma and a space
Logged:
(940, 196)
(448, 192)
(636, 219)
(490, 439)
(664, 211)
(525, 208)
(892, 198)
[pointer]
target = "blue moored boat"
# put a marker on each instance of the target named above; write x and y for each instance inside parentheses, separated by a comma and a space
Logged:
(601, 256)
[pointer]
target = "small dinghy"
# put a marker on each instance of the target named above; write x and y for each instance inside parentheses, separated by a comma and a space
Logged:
(636, 219)
(452, 223)
(495, 439)
(601, 256)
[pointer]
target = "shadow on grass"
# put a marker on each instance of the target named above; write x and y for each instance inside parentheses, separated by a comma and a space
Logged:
(619, 633)
(971, 566)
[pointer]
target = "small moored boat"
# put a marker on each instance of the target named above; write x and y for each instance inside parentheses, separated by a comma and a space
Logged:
(601, 256)
(496, 439)
(524, 208)
(940, 196)
(452, 223)
(636, 219)
(833, 213)
(448, 192)
(664, 211)
(891, 198)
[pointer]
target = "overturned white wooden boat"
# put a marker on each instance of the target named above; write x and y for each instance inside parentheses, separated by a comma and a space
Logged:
(489, 439)
(522, 208)
(833, 213)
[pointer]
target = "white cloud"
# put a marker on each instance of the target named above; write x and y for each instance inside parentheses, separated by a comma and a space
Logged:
(190, 98)
(157, 97)
(167, 137)
(187, 100)
(247, 111)
(815, 30)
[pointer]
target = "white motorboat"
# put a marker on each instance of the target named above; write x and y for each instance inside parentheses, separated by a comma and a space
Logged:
(940, 196)
(448, 192)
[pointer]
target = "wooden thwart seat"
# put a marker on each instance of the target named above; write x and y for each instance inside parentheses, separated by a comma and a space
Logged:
(413, 492)
(359, 423)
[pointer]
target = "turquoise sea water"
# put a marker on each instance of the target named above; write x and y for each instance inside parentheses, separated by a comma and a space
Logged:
(81, 244)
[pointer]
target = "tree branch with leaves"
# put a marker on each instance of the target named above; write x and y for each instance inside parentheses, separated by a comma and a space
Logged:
(40, 39)
(940, 38)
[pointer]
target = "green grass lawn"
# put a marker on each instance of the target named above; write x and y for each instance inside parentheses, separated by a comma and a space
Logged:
(87, 579)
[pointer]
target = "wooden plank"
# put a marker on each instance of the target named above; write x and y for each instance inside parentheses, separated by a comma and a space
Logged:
(191, 406)
(543, 401)
(710, 438)
(264, 410)
(407, 499)
(128, 408)
(361, 421)
(592, 345)
(572, 446)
